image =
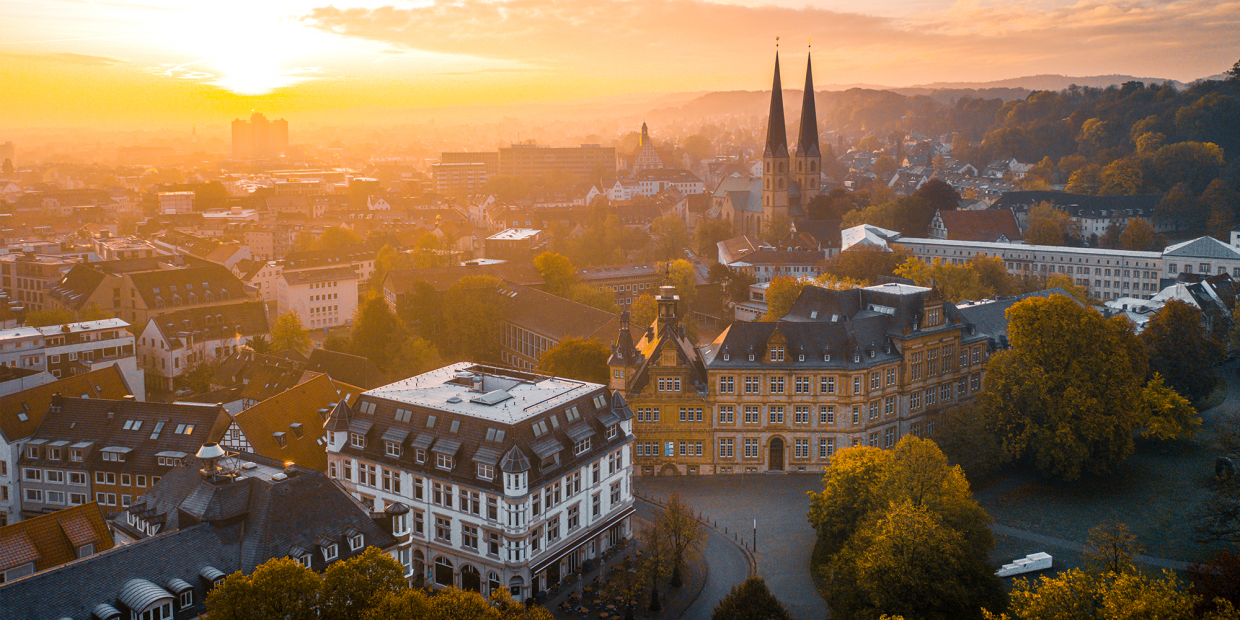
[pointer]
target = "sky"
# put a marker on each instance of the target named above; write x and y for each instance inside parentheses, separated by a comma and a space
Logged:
(113, 61)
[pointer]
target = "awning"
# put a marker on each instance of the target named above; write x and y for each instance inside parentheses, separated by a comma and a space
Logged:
(36, 442)
(487, 455)
(559, 554)
(447, 446)
(423, 441)
(360, 426)
(396, 435)
(578, 432)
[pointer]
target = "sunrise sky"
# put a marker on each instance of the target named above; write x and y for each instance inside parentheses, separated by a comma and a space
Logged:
(101, 61)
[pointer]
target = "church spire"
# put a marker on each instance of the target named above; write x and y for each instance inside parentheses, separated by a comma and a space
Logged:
(776, 134)
(807, 141)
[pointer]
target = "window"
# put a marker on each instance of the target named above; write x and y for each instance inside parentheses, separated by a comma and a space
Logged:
(486, 472)
(751, 448)
(828, 385)
(802, 414)
(826, 447)
(857, 384)
(36, 475)
(889, 437)
(826, 414)
(801, 385)
(690, 414)
(889, 405)
(582, 446)
(725, 447)
(443, 529)
(650, 414)
(78, 478)
(751, 414)
(975, 382)
(873, 409)
(615, 493)
(930, 396)
(727, 385)
(945, 393)
(875, 380)
(752, 385)
(469, 536)
(856, 414)
(187, 598)
(443, 461)
(391, 481)
(775, 414)
(914, 401)
(669, 384)
(553, 529)
(801, 448)
(391, 448)
(777, 354)
(776, 385)
(891, 377)
(574, 517)
(727, 414)
(36, 495)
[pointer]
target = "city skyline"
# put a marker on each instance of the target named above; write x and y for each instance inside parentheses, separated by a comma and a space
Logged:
(140, 61)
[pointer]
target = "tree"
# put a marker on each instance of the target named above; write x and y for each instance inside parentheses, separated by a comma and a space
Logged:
(683, 534)
(1180, 207)
(684, 278)
(884, 167)
(735, 282)
(698, 147)
(387, 260)
(776, 228)
(1068, 409)
(780, 295)
(1111, 549)
(50, 316)
(1233, 74)
(288, 333)
(1048, 225)
(1221, 202)
(643, 310)
(415, 356)
(1138, 234)
(656, 558)
(906, 560)
(353, 586)
(1164, 414)
(963, 435)
(577, 358)
(1181, 350)
(259, 344)
(1078, 595)
(1194, 163)
(333, 238)
(751, 600)
(557, 272)
(279, 588)
(939, 195)
(472, 318)
(377, 332)
(1219, 578)
(670, 235)
(708, 234)
(1122, 177)
(866, 264)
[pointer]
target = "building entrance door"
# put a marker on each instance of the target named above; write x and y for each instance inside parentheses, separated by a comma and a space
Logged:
(777, 455)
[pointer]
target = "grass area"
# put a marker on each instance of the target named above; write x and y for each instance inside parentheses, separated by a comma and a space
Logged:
(1214, 398)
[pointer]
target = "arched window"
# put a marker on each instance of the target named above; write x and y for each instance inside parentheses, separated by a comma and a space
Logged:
(493, 583)
(443, 571)
(813, 166)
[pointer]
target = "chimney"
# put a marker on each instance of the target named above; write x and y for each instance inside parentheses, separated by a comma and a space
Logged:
(477, 383)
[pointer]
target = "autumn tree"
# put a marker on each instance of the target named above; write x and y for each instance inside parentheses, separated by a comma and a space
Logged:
(577, 358)
(735, 283)
(776, 228)
(557, 272)
(1048, 226)
(684, 534)
(1138, 234)
(707, 235)
(939, 195)
(357, 584)
(50, 316)
(751, 600)
(1111, 549)
(966, 439)
(670, 235)
(1181, 350)
(288, 333)
(1078, 595)
(1163, 413)
(780, 295)
(377, 332)
(278, 588)
(415, 356)
(684, 278)
(643, 310)
(866, 264)
(1065, 407)
(472, 310)
(387, 260)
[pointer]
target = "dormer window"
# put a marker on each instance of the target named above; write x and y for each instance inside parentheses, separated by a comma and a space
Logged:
(53, 454)
(581, 447)
(419, 455)
(571, 414)
(357, 440)
(826, 357)
(391, 448)
(330, 552)
(612, 431)
(486, 472)
(600, 401)
(801, 357)
(32, 452)
(281, 440)
(443, 461)
(751, 357)
(777, 354)
(132, 425)
(856, 358)
(727, 357)
(356, 542)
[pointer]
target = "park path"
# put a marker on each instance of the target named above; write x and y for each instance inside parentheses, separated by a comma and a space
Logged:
(1071, 545)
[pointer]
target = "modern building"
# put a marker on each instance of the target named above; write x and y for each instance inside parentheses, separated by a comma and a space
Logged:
(843, 368)
(22, 412)
(176, 202)
(173, 344)
(27, 276)
(515, 244)
(197, 527)
(73, 349)
(259, 138)
(489, 160)
(319, 296)
(459, 179)
(108, 450)
(628, 282)
(512, 480)
(584, 162)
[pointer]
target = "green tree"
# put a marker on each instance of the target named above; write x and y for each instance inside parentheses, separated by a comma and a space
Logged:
(1181, 350)
(1067, 409)
(377, 332)
(751, 600)
(51, 316)
(577, 358)
(670, 235)
(643, 310)
(780, 295)
(421, 309)
(473, 309)
(387, 260)
(279, 588)
(1194, 163)
(939, 195)
(259, 344)
(735, 283)
(353, 586)
(415, 356)
(884, 167)
(557, 272)
(1180, 207)
(288, 333)
(334, 238)
(707, 236)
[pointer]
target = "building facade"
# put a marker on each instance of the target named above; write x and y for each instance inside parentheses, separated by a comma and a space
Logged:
(320, 297)
(512, 480)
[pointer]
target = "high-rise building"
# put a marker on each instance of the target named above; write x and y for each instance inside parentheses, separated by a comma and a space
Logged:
(586, 162)
(259, 137)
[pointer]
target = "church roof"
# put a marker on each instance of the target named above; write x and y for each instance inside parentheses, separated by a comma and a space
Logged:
(776, 132)
(807, 141)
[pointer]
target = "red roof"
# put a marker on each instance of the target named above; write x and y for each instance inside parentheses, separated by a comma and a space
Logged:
(986, 225)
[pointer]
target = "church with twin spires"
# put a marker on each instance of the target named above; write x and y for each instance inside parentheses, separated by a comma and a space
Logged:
(789, 179)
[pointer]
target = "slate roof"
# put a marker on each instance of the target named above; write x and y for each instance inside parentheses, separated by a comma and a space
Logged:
(52, 539)
(324, 258)
(990, 317)
(246, 319)
(351, 369)
(77, 285)
(1081, 205)
(825, 232)
(476, 430)
(1202, 247)
(234, 524)
(986, 225)
(168, 284)
(102, 423)
(266, 380)
(306, 405)
(32, 404)
(782, 257)
(556, 317)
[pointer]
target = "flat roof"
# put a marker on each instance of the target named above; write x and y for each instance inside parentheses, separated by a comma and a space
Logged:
(515, 233)
(56, 330)
(1020, 247)
(506, 396)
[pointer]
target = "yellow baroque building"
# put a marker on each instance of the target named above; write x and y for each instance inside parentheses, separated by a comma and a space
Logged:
(856, 367)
